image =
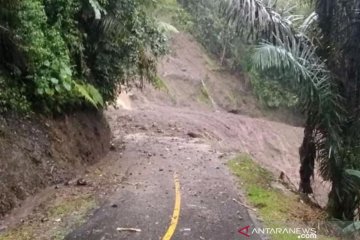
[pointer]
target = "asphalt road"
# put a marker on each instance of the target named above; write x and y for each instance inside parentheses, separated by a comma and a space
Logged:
(172, 188)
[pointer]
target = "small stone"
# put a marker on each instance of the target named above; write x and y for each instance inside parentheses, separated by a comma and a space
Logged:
(114, 205)
(161, 169)
(143, 128)
(81, 182)
(186, 229)
(194, 135)
(112, 147)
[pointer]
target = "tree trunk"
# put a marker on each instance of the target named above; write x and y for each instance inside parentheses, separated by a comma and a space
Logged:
(307, 153)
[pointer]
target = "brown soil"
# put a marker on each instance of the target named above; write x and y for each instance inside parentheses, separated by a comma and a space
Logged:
(271, 136)
(38, 152)
(185, 71)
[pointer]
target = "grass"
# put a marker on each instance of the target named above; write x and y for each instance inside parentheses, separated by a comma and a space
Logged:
(277, 208)
(22, 233)
(204, 96)
(73, 211)
(77, 205)
(160, 84)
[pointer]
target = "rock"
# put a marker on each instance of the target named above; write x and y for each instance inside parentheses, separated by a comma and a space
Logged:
(161, 169)
(112, 147)
(81, 182)
(235, 111)
(194, 135)
(114, 205)
(144, 128)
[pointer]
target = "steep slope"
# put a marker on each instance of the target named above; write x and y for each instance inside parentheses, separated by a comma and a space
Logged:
(191, 78)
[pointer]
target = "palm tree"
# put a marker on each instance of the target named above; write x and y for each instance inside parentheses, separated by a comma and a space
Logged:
(325, 70)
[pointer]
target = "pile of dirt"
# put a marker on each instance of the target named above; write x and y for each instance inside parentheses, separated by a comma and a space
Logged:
(37, 152)
(193, 79)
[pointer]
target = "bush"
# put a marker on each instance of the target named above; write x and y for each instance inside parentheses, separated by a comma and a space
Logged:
(12, 97)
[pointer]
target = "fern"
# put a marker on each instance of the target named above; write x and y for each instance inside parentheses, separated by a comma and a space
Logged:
(90, 94)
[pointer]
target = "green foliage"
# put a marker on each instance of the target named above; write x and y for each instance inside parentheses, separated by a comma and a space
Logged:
(49, 62)
(270, 92)
(12, 96)
(76, 53)
(127, 44)
(276, 207)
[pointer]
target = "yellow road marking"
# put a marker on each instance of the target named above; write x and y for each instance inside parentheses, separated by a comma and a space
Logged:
(176, 212)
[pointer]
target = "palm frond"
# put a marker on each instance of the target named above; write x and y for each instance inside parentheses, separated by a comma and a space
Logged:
(99, 11)
(258, 19)
(308, 22)
(90, 94)
(166, 27)
(312, 82)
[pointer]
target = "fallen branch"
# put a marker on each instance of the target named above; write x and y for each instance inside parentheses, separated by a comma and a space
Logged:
(128, 229)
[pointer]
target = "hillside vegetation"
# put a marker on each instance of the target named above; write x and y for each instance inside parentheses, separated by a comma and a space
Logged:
(61, 55)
